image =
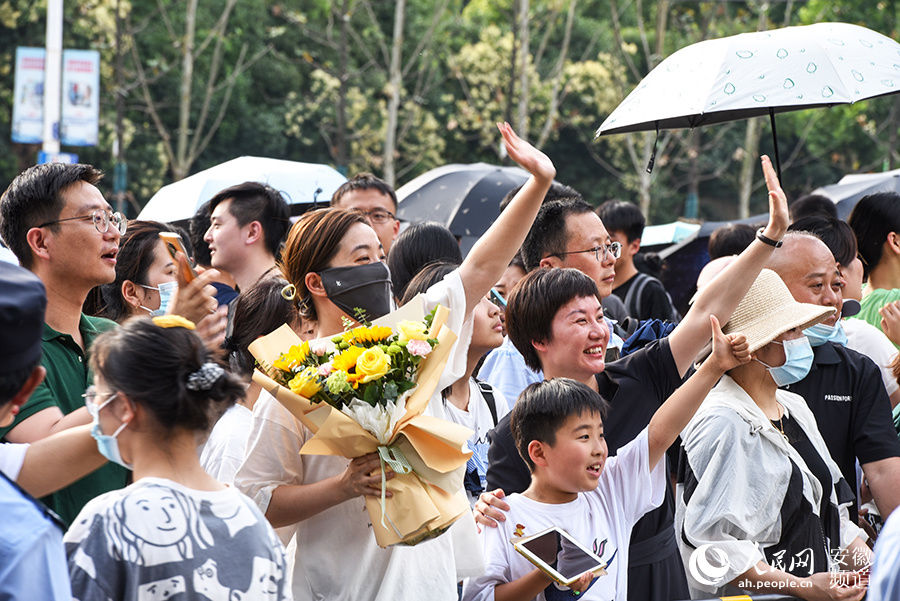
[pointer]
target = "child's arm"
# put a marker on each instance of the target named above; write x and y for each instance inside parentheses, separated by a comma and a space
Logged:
(492, 253)
(671, 418)
(528, 586)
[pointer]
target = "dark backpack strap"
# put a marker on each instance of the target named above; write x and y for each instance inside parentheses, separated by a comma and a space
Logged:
(487, 391)
(634, 294)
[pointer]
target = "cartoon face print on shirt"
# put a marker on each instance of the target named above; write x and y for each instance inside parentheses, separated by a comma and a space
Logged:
(264, 582)
(161, 590)
(154, 519)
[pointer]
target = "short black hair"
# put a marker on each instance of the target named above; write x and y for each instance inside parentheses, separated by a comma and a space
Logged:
(543, 407)
(535, 300)
(427, 277)
(364, 181)
(255, 201)
(837, 235)
(813, 204)
(199, 225)
(622, 216)
(731, 239)
(417, 246)
(557, 191)
(548, 235)
(872, 219)
(35, 197)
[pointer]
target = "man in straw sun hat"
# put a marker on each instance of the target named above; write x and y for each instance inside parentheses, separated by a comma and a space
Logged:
(756, 484)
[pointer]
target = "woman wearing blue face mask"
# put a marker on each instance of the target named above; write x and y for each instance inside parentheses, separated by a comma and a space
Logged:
(175, 529)
(761, 506)
(146, 280)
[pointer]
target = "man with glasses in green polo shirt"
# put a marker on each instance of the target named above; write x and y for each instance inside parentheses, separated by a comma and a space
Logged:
(61, 228)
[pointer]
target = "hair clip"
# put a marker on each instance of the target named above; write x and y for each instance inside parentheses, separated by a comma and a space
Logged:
(205, 377)
(289, 292)
(173, 321)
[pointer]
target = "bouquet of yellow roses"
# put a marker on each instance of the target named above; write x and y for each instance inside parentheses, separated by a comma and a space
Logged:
(364, 391)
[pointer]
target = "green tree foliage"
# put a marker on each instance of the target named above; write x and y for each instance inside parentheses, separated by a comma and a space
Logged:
(309, 80)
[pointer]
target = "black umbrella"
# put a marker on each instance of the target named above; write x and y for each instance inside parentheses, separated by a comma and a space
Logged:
(465, 198)
(847, 192)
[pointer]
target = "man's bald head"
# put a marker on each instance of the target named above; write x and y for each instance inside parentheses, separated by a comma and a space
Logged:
(810, 271)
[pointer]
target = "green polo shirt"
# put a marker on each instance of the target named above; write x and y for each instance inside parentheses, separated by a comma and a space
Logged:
(67, 378)
(872, 301)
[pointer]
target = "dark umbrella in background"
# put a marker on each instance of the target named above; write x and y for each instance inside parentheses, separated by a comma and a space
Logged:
(853, 186)
(465, 198)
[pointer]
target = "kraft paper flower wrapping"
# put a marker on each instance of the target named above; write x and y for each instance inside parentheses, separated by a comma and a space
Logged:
(429, 498)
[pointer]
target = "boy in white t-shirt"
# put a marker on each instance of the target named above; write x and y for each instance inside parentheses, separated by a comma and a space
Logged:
(558, 429)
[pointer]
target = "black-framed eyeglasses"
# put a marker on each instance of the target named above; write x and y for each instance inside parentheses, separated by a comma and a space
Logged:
(377, 216)
(101, 219)
(613, 248)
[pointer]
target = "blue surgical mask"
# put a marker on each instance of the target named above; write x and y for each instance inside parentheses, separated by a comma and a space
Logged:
(820, 333)
(797, 362)
(166, 291)
(107, 444)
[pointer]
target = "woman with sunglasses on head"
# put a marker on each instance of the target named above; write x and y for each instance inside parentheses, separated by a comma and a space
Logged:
(334, 262)
(176, 529)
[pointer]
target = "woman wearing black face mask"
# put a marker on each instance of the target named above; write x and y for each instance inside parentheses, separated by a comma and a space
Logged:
(334, 263)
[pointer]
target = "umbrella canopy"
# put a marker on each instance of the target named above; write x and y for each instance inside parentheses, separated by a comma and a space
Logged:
(847, 192)
(760, 73)
(300, 183)
(465, 198)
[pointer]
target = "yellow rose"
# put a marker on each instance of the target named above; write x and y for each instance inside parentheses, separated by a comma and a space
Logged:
(304, 383)
(412, 330)
(372, 364)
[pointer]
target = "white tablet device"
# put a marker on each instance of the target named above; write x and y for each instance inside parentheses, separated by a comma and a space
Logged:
(558, 555)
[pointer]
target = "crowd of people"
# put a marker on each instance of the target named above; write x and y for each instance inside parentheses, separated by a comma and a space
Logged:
(746, 444)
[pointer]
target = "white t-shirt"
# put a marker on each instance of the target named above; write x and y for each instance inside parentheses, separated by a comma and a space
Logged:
(12, 456)
(868, 340)
(478, 418)
(337, 557)
(601, 520)
(157, 538)
(223, 452)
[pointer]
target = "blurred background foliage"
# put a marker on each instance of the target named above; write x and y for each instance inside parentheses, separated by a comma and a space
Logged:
(202, 82)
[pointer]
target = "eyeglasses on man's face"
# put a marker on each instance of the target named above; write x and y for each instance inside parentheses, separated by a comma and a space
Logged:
(377, 216)
(613, 248)
(101, 219)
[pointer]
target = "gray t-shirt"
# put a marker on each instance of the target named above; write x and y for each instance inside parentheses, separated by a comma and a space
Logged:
(158, 540)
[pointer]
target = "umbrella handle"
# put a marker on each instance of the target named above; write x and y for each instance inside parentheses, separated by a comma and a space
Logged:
(775, 142)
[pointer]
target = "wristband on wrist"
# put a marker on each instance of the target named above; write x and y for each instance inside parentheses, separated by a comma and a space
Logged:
(766, 240)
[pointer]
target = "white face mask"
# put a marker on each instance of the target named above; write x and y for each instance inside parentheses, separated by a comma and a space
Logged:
(166, 292)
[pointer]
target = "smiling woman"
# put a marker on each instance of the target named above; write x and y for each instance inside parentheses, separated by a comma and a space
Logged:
(329, 252)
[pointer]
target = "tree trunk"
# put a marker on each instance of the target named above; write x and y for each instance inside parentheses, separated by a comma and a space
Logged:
(394, 85)
(180, 167)
(748, 166)
(557, 78)
(342, 153)
(524, 53)
(751, 143)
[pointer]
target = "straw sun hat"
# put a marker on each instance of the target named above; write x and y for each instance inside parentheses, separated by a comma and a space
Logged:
(769, 310)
